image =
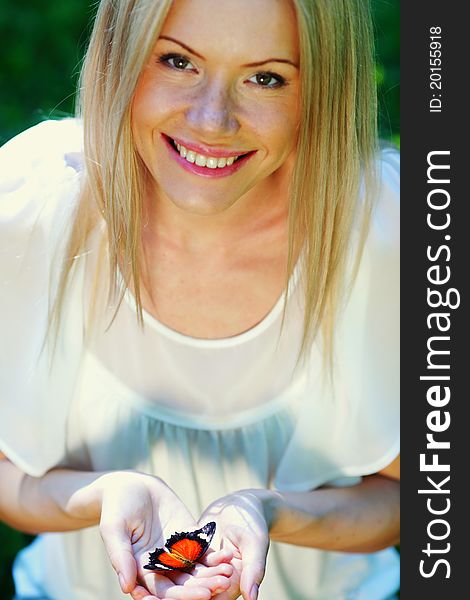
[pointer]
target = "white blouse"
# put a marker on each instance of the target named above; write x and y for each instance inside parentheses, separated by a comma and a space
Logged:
(208, 416)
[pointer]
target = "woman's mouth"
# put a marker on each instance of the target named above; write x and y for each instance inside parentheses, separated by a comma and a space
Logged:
(216, 164)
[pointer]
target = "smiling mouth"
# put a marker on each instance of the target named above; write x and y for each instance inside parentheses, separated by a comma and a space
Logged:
(206, 161)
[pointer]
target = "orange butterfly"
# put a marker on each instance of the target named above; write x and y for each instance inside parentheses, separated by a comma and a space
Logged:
(182, 550)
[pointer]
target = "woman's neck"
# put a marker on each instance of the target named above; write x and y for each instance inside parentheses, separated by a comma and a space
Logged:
(260, 210)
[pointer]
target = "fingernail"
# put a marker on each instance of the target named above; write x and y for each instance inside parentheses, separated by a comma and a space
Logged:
(122, 581)
(254, 592)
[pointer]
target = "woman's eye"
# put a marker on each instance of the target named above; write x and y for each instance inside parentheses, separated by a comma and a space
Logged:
(176, 61)
(268, 80)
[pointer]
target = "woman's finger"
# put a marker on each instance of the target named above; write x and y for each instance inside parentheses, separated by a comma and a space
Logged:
(186, 586)
(201, 571)
(196, 593)
(253, 568)
(119, 548)
(216, 557)
(163, 587)
(140, 593)
(250, 580)
(215, 583)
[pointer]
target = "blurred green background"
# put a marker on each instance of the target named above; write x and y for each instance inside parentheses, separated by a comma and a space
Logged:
(42, 46)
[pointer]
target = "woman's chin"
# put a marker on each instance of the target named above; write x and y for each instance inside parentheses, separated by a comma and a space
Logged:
(204, 208)
(203, 204)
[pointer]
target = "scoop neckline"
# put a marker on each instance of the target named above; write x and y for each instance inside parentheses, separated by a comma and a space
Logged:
(225, 342)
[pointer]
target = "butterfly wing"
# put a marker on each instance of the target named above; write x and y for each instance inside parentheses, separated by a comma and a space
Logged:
(182, 550)
(161, 560)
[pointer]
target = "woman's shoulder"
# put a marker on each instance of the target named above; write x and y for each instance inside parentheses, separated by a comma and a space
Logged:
(389, 158)
(389, 173)
(47, 151)
(40, 173)
(44, 139)
(385, 222)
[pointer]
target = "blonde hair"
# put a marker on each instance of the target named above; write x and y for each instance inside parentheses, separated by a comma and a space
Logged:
(337, 143)
(335, 155)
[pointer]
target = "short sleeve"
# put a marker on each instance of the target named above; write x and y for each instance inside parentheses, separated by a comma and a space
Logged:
(351, 428)
(39, 185)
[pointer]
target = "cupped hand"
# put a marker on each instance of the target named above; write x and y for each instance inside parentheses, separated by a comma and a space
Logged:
(243, 531)
(138, 513)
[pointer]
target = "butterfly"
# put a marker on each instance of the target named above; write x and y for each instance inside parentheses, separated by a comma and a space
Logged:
(182, 550)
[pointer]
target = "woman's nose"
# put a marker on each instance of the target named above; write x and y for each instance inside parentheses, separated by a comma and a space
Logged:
(212, 112)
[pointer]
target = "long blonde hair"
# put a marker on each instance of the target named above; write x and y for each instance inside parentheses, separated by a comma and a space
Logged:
(337, 144)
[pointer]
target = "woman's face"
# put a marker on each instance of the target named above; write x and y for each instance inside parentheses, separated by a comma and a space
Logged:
(216, 110)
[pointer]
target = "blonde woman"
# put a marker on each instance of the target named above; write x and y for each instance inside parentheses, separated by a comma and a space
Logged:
(200, 313)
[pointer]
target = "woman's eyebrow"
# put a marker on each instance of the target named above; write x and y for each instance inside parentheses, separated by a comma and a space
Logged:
(188, 48)
(253, 64)
(269, 60)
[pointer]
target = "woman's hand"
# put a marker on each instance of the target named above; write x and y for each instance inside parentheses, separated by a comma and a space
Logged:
(138, 513)
(241, 529)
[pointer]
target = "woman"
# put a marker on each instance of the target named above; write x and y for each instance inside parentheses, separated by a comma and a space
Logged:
(206, 301)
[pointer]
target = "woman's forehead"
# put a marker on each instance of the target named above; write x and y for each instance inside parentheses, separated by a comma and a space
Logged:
(251, 28)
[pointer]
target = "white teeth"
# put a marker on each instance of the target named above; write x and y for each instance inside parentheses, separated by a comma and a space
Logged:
(209, 162)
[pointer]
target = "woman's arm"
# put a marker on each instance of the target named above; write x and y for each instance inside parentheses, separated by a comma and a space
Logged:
(61, 500)
(361, 518)
(136, 513)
